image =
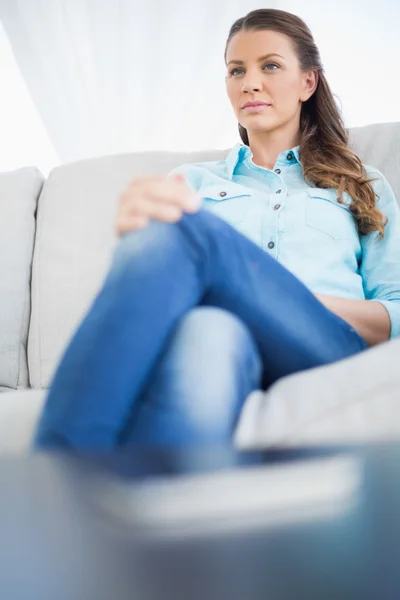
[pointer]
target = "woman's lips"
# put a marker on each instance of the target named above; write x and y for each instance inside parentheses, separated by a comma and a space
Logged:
(257, 108)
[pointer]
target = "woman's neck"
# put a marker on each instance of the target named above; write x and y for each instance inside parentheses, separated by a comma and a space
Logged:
(266, 150)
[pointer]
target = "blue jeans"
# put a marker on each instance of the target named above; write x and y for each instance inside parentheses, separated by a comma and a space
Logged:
(136, 370)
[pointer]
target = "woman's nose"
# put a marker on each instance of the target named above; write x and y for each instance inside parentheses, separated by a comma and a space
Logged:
(251, 87)
(251, 83)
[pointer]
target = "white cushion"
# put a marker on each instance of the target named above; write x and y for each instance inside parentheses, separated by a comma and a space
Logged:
(350, 401)
(378, 145)
(19, 412)
(74, 241)
(19, 191)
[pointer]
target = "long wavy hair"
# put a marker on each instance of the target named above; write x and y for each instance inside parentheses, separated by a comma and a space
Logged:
(326, 158)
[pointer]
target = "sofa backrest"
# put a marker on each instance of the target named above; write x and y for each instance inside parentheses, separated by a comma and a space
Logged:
(378, 145)
(19, 192)
(75, 233)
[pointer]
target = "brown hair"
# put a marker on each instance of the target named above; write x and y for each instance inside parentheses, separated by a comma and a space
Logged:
(326, 158)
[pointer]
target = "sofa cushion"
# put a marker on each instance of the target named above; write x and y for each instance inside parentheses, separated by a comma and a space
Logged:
(19, 412)
(378, 145)
(19, 191)
(74, 241)
(353, 400)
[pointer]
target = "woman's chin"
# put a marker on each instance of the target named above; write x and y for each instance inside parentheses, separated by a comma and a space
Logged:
(258, 124)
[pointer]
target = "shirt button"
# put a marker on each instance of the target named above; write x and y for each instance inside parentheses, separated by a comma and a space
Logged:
(277, 206)
(222, 194)
(277, 171)
(289, 156)
(278, 191)
(271, 245)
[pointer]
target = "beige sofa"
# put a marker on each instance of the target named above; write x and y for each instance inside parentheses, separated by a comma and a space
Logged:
(56, 237)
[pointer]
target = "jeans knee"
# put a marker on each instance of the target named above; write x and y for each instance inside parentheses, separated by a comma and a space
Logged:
(144, 242)
(187, 235)
(214, 360)
(217, 328)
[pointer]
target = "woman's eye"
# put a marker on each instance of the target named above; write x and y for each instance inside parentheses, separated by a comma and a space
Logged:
(271, 65)
(234, 71)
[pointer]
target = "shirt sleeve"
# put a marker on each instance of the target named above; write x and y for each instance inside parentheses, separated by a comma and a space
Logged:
(380, 259)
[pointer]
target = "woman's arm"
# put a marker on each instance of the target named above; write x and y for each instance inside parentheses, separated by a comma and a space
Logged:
(377, 318)
(370, 319)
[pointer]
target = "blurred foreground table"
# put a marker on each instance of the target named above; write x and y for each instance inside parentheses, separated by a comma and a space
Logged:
(202, 524)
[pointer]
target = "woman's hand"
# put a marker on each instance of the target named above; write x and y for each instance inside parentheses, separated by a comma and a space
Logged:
(369, 318)
(159, 198)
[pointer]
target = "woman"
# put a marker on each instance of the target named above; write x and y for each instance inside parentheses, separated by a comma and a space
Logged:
(293, 262)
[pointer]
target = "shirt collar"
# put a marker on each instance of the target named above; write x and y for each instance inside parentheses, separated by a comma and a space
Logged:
(241, 152)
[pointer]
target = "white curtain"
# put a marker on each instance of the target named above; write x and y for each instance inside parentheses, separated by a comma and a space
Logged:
(24, 140)
(111, 76)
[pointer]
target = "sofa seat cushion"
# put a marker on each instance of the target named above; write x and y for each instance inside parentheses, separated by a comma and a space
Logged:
(355, 400)
(19, 412)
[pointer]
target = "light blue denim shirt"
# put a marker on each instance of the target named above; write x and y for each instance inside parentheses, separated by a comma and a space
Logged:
(304, 227)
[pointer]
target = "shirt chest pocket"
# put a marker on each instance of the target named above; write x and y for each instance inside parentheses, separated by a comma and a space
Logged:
(326, 215)
(230, 202)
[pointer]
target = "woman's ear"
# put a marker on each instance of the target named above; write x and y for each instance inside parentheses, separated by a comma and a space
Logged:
(310, 83)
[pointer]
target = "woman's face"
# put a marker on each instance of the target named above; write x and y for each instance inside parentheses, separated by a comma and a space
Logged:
(276, 80)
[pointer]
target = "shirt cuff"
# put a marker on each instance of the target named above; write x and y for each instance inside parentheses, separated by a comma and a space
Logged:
(393, 308)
